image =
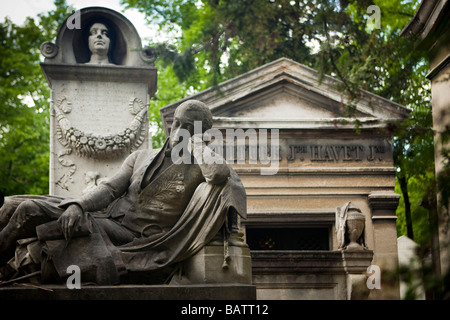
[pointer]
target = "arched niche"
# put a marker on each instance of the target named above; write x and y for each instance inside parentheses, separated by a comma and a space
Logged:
(71, 46)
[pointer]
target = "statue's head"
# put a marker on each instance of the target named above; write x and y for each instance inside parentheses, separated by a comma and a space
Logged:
(185, 116)
(100, 42)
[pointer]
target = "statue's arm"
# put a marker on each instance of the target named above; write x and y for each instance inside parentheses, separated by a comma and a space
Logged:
(96, 200)
(108, 191)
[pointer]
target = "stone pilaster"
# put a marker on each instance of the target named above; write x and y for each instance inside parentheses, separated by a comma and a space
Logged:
(383, 206)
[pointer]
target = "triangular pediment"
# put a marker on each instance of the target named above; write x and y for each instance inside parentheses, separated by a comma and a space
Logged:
(289, 93)
(278, 105)
(284, 99)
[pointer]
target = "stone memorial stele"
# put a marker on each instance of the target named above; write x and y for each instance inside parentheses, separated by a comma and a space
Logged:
(120, 211)
(101, 82)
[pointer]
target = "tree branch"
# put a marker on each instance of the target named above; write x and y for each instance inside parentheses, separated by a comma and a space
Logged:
(330, 53)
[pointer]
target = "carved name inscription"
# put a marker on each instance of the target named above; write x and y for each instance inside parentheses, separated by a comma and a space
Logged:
(371, 152)
(336, 153)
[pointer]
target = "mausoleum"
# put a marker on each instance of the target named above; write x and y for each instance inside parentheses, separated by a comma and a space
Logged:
(313, 160)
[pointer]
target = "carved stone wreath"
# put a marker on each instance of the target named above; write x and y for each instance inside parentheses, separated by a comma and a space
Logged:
(98, 146)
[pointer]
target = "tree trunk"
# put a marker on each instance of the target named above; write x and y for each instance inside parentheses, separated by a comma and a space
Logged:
(404, 187)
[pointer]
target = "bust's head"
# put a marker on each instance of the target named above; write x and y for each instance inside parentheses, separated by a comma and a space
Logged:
(100, 43)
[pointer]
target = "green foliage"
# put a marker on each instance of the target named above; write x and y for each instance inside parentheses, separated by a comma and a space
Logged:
(219, 40)
(414, 158)
(418, 188)
(169, 90)
(24, 104)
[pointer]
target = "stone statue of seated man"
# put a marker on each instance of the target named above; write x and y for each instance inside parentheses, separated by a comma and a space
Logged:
(150, 216)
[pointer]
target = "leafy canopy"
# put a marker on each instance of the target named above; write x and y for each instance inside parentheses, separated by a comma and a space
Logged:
(24, 104)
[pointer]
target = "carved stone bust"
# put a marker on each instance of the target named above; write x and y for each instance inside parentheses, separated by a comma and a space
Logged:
(100, 44)
(72, 41)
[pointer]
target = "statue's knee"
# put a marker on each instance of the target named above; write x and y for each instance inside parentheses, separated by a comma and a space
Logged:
(8, 207)
(28, 205)
(26, 210)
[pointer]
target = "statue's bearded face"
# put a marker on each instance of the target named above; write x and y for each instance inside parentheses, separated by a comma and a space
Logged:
(181, 121)
(99, 40)
(184, 120)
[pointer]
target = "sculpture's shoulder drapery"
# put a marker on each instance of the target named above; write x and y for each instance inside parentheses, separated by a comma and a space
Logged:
(203, 218)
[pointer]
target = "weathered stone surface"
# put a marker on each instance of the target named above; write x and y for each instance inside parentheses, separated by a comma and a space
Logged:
(207, 266)
(304, 275)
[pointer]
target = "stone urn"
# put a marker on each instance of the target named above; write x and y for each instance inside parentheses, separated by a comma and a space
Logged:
(355, 226)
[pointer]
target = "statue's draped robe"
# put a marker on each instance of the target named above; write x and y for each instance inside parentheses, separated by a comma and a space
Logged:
(170, 218)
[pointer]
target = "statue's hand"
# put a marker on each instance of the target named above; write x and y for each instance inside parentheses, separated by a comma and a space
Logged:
(196, 144)
(70, 220)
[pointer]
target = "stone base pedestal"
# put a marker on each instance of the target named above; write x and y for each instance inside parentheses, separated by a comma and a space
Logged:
(132, 292)
(207, 266)
(311, 275)
(203, 277)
